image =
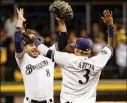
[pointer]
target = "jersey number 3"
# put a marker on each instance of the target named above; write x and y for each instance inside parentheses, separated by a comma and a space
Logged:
(86, 76)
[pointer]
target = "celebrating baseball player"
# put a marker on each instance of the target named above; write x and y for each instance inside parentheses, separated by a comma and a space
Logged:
(37, 70)
(80, 73)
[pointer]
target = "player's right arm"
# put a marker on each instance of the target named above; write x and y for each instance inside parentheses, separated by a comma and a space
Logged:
(17, 36)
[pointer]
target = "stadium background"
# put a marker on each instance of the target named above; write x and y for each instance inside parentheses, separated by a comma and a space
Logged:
(86, 23)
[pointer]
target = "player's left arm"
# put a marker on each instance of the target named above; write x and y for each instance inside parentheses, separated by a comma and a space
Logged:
(105, 54)
(108, 20)
(62, 43)
(18, 38)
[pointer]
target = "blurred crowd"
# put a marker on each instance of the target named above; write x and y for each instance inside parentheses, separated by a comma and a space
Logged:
(115, 69)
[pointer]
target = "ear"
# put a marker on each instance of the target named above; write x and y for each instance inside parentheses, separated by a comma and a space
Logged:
(78, 51)
(25, 48)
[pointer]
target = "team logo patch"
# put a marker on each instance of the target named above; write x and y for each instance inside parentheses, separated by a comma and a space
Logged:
(30, 68)
(104, 52)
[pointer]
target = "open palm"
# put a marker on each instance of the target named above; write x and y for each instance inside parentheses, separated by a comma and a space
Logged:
(107, 19)
(20, 14)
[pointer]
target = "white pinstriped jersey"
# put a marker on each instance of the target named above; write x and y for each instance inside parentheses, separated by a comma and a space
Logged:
(38, 75)
(81, 75)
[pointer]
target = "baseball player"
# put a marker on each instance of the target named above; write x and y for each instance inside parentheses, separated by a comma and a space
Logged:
(80, 73)
(37, 70)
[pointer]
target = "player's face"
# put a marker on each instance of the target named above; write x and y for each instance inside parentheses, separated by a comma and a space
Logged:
(31, 50)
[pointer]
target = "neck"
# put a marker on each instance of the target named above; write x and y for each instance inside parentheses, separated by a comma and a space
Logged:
(32, 55)
(86, 55)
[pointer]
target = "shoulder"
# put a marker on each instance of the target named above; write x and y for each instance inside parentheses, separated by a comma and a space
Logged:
(25, 56)
(45, 58)
(73, 58)
(102, 57)
(68, 54)
(107, 50)
(54, 47)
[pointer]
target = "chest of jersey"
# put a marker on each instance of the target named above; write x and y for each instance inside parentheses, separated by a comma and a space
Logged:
(33, 66)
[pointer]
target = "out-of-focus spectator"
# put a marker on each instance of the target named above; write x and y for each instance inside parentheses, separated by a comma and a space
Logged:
(99, 43)
(3, 59)
(10, 24)
(54, 38)
(4, 39)
(72, 37)
(120, 34)
(84, 34)
(38, 34)
(11, 64)
(8, 63)
(121, 56)
(48, 41)
(117, 27)
(4, 44)
(95, 30)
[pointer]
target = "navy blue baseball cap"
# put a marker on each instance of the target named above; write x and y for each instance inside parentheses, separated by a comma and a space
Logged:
(82, 44)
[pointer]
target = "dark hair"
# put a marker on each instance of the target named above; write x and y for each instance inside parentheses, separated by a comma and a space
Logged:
(27, 41)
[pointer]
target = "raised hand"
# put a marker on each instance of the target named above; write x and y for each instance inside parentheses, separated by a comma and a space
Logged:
(60, 20)
(20, 14)
(107, 19)
(62, 26)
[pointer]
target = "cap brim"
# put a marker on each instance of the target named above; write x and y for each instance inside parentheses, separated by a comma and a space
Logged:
(28, 42)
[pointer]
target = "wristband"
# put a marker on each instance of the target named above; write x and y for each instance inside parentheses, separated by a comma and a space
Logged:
(37, 41)
(111, 31)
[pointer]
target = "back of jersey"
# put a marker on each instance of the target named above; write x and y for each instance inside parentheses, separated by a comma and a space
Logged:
(81, 76)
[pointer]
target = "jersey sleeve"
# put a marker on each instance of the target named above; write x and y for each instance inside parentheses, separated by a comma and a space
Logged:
(19, 60)
(102, 58)
(62, 58)
(54, 47)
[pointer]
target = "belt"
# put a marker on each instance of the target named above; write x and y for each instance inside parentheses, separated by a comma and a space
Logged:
(68, 102)
(35, 101)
